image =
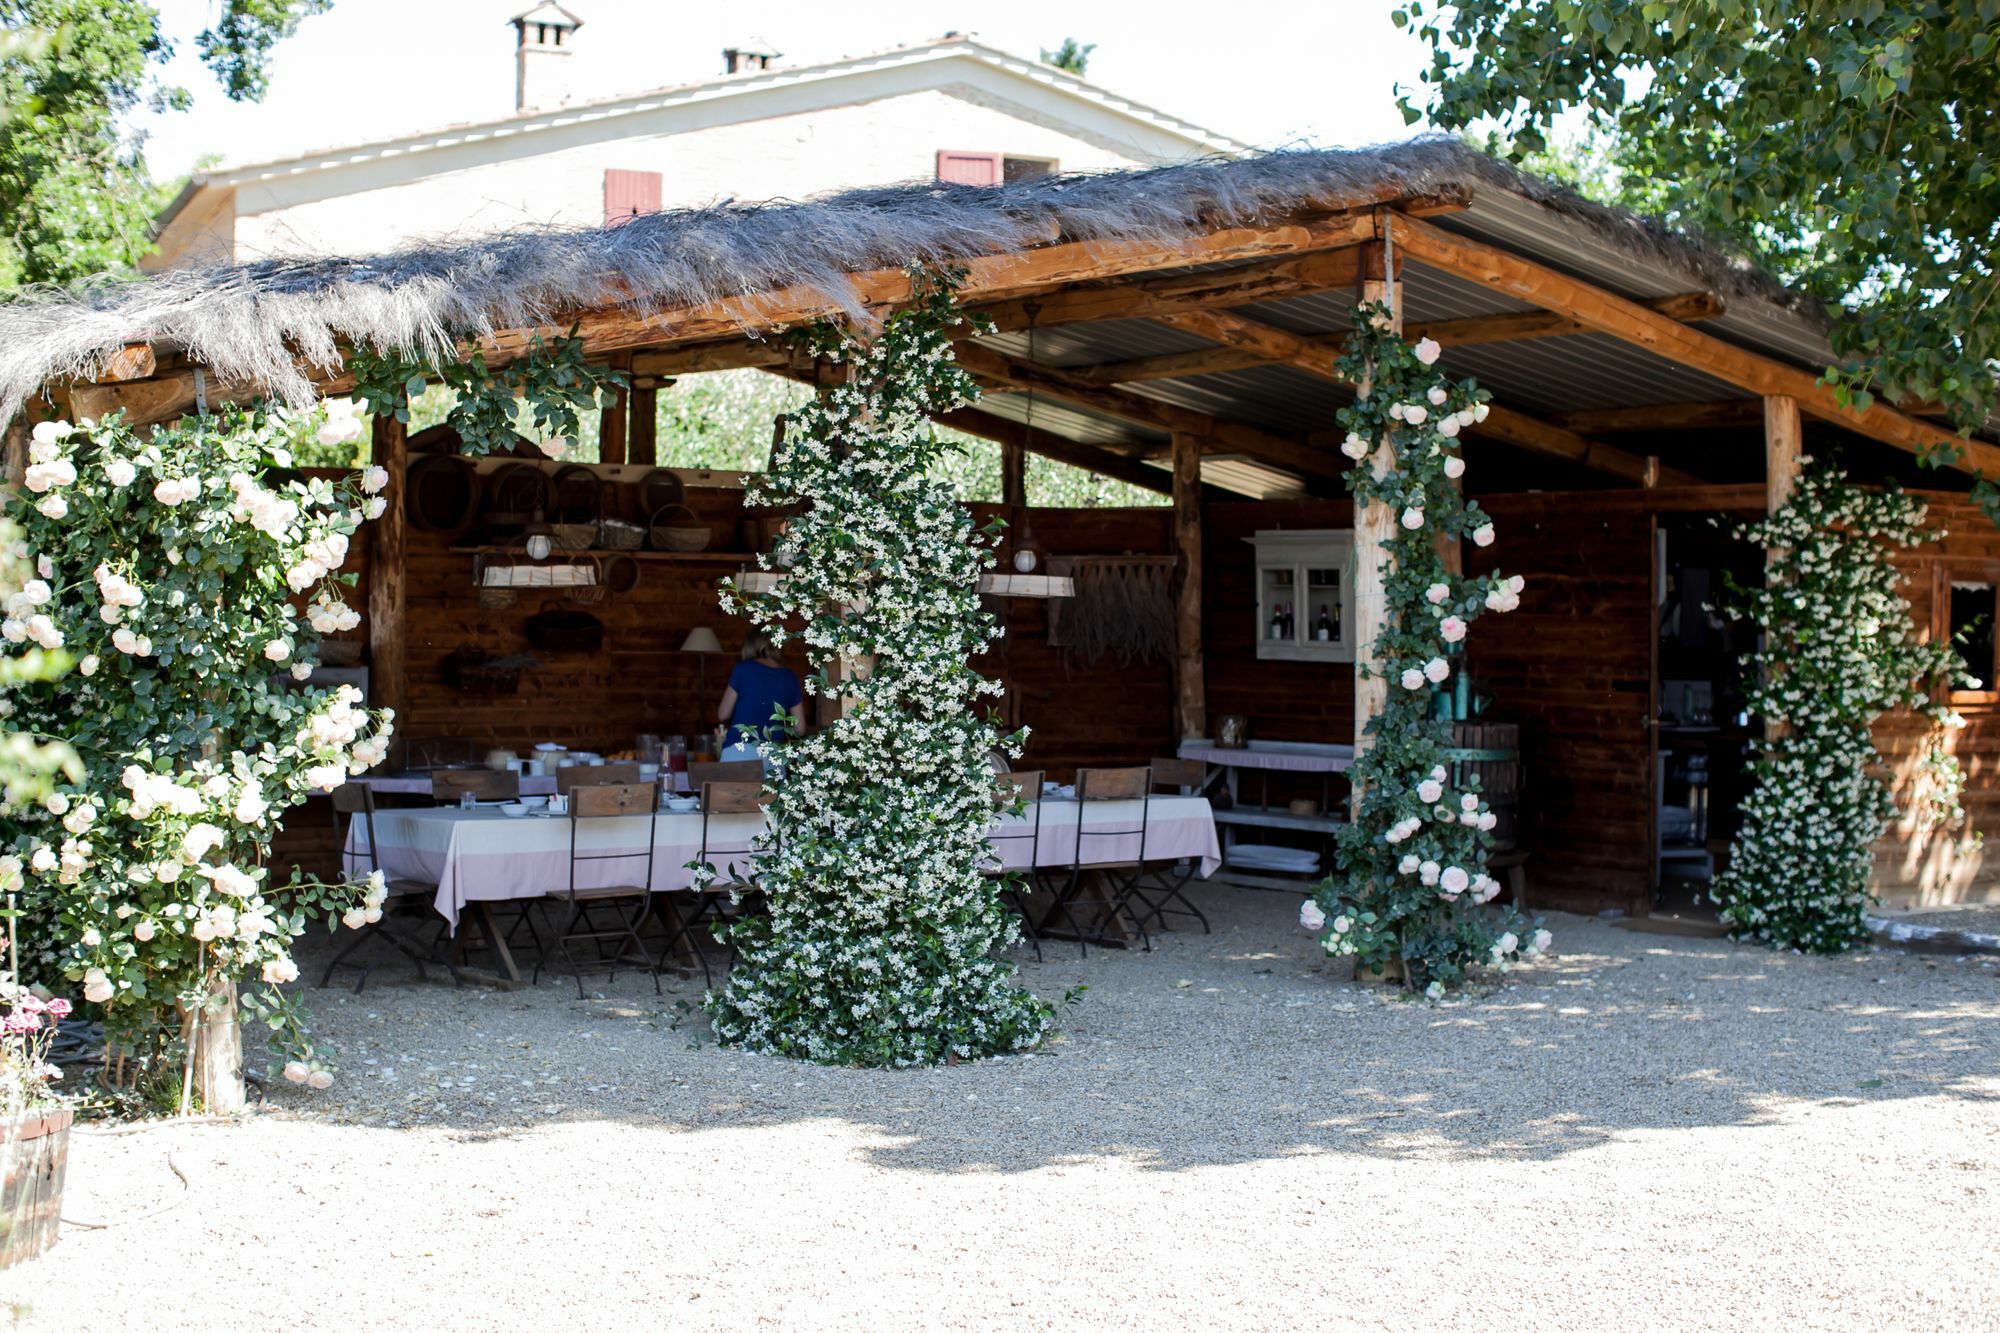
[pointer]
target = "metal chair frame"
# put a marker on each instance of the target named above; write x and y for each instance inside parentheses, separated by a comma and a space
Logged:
(627, 905)
(1104, 785)
(719, 797)
(1027, 787)
(357, 801)
(1160, 884)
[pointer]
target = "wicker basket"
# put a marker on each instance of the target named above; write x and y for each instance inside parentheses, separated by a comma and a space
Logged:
(615, 534)
(621, 574)
(574, 536)
(498, 599)
(670, 534)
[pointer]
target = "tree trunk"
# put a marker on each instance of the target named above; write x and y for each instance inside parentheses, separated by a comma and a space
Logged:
(216, 1047)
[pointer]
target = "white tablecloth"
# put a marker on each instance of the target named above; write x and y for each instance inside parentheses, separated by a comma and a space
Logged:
(482, 855)
(1280, 756)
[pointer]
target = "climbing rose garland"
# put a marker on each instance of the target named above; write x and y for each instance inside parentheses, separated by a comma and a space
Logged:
(1412, 886)
(171, 570)
(881, 942)
(1841, 648)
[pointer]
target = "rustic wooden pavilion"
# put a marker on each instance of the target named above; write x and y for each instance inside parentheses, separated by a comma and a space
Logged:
(1177, 329)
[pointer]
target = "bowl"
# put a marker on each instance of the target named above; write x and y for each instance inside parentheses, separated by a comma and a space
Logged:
(513, 809)
(683, 805)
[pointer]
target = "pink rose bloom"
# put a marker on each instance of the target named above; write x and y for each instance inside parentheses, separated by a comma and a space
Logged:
(1452, 628)
(58, 1007)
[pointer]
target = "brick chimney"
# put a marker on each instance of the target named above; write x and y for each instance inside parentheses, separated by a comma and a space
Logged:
(544, 45)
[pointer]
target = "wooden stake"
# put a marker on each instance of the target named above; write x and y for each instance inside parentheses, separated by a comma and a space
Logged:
(386, 590)
(1374, 527)
(218, 1052)
(1784, 439)
(1190, 683)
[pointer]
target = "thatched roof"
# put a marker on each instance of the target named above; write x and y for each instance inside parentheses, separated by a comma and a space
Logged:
(255, 323)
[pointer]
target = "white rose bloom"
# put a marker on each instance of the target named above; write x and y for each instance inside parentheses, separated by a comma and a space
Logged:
(296, 1072)
(53, 506)
(1408, 865)
(1434, 991)
(91, 938)
(1416, 414)
(1540, 941)
(1454, 467)
(354, 918)
(1413, 518)
(1437, 395)
(1454, 879)
(143, 931)
(1479, 412)
(1452, 628)
(50, 433)
(1449, 427)
(1436, 670)
(97, 987)
(120, 472)
(1341, 925)
(301, 670)
(1428, 872)
(1310, 915)
(1483, 536)
(1430, 791)
(554, 448)
(319, 1080)
(1427, 350)
(1468, 802)
(1413, 679)
(376, 507)
(88, 666)
(1354, 446)
(373, 479)
(278, 650)
(1437, 594)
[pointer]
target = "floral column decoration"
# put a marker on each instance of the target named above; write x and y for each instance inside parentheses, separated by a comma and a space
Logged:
(188, 578)
(1412, 890)
(1841, 647)
(881, 941)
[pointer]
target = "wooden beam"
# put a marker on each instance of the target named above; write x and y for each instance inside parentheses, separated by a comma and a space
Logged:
(1374, 528)
(1601, 311)
(643, 434)
(1190, 691)
(611, 419)
(1013, 474)
(734, 354)
(133, 361)
(1546, 324)
(1728, 414)
(1784, 445)
(1279, 346)
(387, 647)
(1035, 440)
(1276, 450)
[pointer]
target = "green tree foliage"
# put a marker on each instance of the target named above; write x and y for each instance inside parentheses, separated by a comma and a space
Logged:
(1072, 56)
(1848, 144)
(75, 198)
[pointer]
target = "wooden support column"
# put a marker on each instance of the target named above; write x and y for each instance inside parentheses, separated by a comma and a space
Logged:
(1374, 526)
(642, 435)
(1190, 684)
(1784, 441)
(611, 426)
(386, 560)
(1013, 475)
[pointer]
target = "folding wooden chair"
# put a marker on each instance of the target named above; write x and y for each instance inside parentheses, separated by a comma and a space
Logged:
(596, 775)
(1160, 886)
(1096, 853)
(735, 770)
(733, 879)
(1014, 884)
(356, 800)
(603, 915)
(485, 784)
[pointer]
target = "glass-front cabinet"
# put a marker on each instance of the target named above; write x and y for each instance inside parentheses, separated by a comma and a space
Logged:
(1305, 594)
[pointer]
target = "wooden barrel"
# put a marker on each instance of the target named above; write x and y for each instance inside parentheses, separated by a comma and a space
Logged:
(37, 1152)
(1491, 752)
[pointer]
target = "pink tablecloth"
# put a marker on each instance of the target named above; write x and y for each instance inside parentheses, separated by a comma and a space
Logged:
(482, 855)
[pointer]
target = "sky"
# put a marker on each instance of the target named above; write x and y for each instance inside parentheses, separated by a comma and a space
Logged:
(1321, 73)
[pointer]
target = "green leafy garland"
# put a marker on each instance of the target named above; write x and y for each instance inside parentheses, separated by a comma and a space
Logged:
(1841, 648)
(1412, 884)
(552, 377)
(881, 942)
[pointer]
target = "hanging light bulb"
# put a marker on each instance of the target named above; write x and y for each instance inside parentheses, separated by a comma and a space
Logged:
(539, 538)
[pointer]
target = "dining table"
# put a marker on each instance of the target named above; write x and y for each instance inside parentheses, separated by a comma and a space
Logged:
(481, 856)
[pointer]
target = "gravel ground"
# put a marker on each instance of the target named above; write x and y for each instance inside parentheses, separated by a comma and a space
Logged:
(1639, 1131)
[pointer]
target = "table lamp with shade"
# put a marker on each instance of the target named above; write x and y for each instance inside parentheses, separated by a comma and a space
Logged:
(702, 641)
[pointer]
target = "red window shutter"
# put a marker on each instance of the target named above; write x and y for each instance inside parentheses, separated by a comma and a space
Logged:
(968, 168)
(627, 194)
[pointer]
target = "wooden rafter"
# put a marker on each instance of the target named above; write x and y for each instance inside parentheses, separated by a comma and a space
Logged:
(1599, 310)
(1228, 436)
(1280, 347)
(1451, 332)
(1731, 413)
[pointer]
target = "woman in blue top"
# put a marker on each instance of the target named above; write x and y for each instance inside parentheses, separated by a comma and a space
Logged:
(759, 685)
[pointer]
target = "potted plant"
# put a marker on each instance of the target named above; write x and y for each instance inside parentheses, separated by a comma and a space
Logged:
(34, 1127)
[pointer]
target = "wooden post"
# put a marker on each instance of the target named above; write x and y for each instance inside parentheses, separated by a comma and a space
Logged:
(1374, 526)
(218, 1053)
(1013, 475)
(1191, 691)
(14, 465)
(1783, 441)
(386, 560)
(611, 426)
(1784, 438)
(642, 436)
